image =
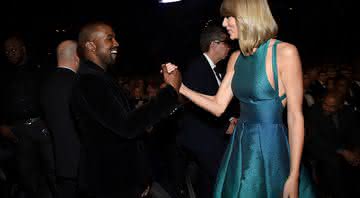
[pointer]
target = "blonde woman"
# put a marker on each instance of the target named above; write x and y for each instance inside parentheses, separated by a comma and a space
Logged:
(263, 157)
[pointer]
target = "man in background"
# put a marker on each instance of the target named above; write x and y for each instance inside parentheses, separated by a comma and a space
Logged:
(202, 135)
(22, 121)
(55, 101)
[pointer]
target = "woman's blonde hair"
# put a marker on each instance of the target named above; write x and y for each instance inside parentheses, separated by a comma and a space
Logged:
(254, 21)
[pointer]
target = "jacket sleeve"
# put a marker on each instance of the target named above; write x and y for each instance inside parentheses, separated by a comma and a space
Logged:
(108, 106)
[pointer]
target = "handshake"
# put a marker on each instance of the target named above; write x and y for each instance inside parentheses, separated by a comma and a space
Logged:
(171, 75)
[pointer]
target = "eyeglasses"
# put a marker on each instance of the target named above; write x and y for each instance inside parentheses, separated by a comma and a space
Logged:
(226, 42)
(216, 41)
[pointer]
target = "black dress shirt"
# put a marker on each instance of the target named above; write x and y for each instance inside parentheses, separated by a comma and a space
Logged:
(21, 92)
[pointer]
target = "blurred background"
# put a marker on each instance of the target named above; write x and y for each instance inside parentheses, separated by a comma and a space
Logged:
(151, 33)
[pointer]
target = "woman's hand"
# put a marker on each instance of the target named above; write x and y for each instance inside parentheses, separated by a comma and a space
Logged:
(232, 126)
(291, 187)
(169, 67)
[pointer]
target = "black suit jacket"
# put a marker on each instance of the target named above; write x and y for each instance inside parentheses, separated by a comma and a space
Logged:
(112, 157)
(200, 129)
(55, 102)
(317, 90)
(355, 98)
(323, 138)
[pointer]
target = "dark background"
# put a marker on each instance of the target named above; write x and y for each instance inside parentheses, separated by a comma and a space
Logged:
(150, 33)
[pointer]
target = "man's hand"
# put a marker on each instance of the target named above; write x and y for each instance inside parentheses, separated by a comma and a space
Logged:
(6, 132)
(146, 192)
(171, 75)
(353, 158)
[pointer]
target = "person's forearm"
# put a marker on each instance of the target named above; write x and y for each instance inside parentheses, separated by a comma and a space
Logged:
(206, 102)
(6, 132)
(112, 113)
(296, 141)
(152, 112)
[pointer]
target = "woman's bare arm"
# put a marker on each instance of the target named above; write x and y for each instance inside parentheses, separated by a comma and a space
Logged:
(218, 103)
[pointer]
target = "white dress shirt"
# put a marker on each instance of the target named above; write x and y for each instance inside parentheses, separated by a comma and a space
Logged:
(212, 65)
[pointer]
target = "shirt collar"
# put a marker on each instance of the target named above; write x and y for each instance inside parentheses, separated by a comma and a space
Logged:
(67, 67)
(357, 82)
(210, 61)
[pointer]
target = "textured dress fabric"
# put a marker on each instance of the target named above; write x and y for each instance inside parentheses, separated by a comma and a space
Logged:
(257, 160)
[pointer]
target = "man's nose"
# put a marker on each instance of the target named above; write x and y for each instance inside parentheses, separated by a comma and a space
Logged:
(116, 44)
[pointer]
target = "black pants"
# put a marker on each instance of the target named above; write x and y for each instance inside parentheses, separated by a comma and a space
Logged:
(67, 188)
(34, 160)
(84, 195)
(204, 170)
(332, 178)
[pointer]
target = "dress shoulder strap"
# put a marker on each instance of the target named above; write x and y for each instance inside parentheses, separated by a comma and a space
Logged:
(275, 71)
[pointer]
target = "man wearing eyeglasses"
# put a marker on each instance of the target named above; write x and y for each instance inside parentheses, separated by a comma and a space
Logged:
(203, 136)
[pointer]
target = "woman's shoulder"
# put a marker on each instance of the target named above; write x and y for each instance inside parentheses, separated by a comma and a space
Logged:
(286, 49)
(233, 59)
(235, 55)
(287, 55)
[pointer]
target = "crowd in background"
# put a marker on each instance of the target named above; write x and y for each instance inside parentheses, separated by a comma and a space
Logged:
(331, 109)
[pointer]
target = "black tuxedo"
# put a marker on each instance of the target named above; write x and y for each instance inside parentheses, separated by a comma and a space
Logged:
(354, 99)
(355, 88)
(112, 162)
(55, 101)
(202, 133)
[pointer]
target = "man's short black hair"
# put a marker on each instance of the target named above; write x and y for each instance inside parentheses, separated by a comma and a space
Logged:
(212, 33)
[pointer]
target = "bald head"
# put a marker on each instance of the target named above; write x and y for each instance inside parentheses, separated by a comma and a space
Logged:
(332, 102)
(67, 54)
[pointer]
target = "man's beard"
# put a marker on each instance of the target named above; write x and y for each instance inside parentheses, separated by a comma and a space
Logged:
(108, 59)
(328, 113)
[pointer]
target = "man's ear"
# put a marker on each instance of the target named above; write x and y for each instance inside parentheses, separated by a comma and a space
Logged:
(90, 46)
(76, 59)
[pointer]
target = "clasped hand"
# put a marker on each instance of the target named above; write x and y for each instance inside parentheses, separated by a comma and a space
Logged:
(172, 75)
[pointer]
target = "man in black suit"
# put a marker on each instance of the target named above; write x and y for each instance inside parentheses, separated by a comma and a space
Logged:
(318, 87)
(332, 144)
(55, 101)
(354, 88)
(22, 119)
(202, 134)
(112, 156)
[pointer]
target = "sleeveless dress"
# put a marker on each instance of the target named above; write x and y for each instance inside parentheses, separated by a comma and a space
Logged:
(256, 163)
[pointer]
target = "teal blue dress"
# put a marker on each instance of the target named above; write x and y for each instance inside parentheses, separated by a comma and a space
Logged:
(256, 163)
